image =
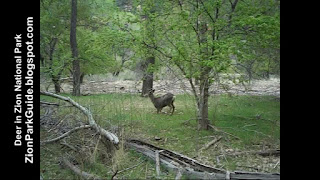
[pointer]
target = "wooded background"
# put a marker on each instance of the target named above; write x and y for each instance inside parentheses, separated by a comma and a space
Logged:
(201, 39)
(202, 42)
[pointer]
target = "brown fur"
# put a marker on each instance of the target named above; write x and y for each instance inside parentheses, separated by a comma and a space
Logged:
(163, 101)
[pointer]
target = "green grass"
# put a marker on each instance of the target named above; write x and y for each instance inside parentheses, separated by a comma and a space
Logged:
(254, 119)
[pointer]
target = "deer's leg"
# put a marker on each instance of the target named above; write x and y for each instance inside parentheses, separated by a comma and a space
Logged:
(172, 108)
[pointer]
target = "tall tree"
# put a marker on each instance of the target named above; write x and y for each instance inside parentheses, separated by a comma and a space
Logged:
(74, 49)
(195, 38)
(149, 13)
(203, 50)
(53, 38)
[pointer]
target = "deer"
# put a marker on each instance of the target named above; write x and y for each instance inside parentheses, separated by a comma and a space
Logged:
(163, 101)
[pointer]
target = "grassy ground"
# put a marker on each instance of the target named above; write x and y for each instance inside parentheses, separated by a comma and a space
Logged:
(255, 120)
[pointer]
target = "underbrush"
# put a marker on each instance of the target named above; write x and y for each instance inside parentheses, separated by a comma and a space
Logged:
(246, 123)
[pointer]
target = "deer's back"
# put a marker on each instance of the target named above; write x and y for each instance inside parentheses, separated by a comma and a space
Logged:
(164, 100)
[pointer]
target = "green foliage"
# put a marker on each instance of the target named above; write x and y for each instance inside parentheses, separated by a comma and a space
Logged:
(99, 38)
(250, 33)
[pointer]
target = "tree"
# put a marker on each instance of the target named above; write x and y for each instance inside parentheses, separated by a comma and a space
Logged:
(201, 37)
(200, 52)
(74, 49)
(147, 83)
(99, 41)
(53, 40)
(148, 15)
(258, 54)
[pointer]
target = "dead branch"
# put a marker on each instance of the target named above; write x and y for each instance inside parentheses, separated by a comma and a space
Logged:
(78, 171)
(179, 175)
(271, 152)
(157, 163)
(132, 167)
(58, 124)
(218, 130)
(48, 113)
(65, 134)
(69, 146)
(48, 103)
(108, 135)
(114, 175)
(276, 164)
(190, 167)
(257, 132)
(214, 141)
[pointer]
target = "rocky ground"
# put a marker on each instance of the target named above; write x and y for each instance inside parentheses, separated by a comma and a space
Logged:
(257, 87)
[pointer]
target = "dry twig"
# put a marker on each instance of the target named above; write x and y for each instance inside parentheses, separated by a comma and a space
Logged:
(78, 171)
(214, 141)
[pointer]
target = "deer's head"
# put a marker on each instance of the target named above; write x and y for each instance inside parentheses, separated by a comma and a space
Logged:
(151, 91)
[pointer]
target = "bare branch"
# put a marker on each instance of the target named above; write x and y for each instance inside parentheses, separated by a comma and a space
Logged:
(110, 136)
(78, 171)
(65, 134)
(214, 141)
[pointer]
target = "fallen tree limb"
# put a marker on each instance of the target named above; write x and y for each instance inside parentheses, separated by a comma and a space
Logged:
(190, 167)
(108, 135)
(132, 167)
(214, 141)
(271, 152)
(78, 171)
(218, 130)
(48, 103)
(65, 134)
(69, 146)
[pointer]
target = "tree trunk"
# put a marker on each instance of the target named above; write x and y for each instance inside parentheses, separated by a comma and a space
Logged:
(74, 49)
(148, 77)
(57, 85)
(81, 77)
(150, 37)
(203, 120)
(196, 81)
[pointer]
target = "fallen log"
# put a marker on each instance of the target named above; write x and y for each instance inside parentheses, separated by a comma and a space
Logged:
(192, 168)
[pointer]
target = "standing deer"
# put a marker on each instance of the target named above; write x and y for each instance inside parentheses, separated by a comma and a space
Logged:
(163, 101)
